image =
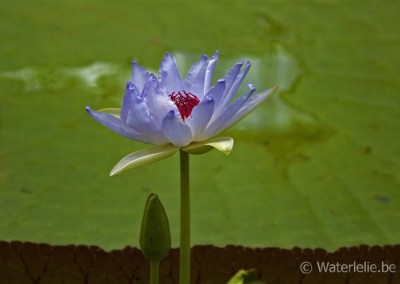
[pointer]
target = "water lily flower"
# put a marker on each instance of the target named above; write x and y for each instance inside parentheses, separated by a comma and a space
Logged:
(174, 114)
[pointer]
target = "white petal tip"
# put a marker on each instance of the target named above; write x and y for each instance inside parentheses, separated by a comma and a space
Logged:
(142, 157)
(252, 87)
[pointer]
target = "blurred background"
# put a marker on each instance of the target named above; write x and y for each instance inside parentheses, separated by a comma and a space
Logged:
(317, 165)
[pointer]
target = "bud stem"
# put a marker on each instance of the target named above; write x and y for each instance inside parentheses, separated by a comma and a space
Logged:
(154, 272)
(184, 257)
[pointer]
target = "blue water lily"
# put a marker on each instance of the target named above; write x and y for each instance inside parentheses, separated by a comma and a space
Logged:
(179, 114)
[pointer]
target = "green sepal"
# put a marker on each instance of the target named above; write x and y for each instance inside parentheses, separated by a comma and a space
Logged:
(222, 144)
(155, 236)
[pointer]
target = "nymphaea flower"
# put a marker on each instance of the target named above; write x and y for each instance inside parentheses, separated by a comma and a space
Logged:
(179, 114)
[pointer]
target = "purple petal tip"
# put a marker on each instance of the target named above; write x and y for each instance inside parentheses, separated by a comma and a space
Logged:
(209, 99)
(129, 85)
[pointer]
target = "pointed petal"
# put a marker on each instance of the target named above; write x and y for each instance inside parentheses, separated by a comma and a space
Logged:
(143, 157)
(201, 115)
(113, 111)
(222, 144)
(235, 86)
(247, 108)
(158, 103)
(177, 132)
(131, 93)
(217, 123)
(209, 72)
(139, 118)
(139, 75)
(230, 77)
(217, 93)
(170, 78)
(116, 125)
(194, 81)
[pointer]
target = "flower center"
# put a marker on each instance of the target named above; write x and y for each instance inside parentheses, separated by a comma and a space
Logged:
(185, 103)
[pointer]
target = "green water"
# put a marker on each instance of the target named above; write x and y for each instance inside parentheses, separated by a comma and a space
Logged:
(317, 165)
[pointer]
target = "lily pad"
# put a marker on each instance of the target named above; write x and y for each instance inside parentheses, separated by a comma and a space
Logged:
(317, 165)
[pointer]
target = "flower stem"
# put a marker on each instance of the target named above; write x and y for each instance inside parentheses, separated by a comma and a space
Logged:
(154, 272)
(184, 257)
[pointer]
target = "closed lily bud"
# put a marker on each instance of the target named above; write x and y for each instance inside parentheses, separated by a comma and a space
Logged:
(155, 236)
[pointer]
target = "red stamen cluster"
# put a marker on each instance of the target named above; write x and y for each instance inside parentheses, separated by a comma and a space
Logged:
(185, 103)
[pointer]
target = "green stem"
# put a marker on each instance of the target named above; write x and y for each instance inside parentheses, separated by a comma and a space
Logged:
(154, 272)
(184, 257)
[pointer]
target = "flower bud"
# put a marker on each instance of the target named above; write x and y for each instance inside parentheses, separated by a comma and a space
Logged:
(155, 236)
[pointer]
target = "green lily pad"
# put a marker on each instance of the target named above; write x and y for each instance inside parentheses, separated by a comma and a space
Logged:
(317, 165)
